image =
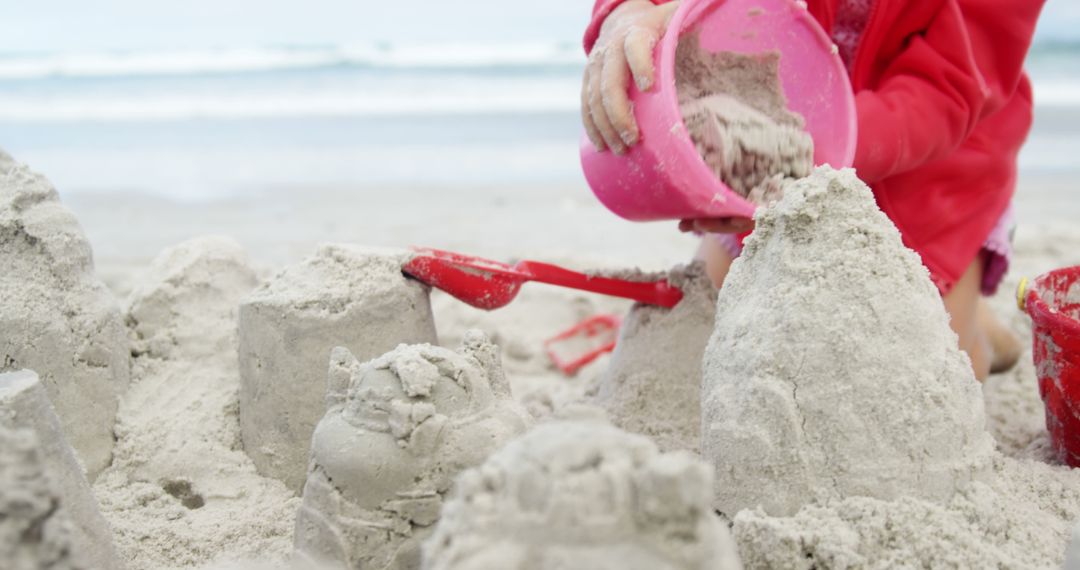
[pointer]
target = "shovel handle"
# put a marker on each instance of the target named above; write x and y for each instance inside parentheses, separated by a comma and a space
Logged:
(659, 293)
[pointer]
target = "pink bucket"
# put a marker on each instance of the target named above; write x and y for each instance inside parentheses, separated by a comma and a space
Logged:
(663, 177)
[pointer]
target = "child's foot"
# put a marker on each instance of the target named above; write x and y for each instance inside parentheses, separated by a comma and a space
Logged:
(1005, 348)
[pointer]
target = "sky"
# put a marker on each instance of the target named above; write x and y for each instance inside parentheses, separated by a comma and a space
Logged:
(78, 25)
(65, 25)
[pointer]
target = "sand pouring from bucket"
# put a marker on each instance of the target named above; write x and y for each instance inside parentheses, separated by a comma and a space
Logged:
(663, 177)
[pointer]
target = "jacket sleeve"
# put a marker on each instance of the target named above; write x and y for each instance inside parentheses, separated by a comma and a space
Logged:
(601, 10)
(965, 67)
(1001, 33)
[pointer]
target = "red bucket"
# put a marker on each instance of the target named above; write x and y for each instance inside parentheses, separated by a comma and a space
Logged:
(1053, 301)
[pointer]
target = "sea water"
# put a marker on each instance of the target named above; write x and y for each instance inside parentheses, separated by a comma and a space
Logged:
(203, 124)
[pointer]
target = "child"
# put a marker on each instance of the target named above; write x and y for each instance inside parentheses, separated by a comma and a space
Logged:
(943, 107)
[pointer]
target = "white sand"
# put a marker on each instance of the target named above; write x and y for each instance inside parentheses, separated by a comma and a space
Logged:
(35, 531)
(833, 371)
(181, 492)
(873, 506)
(339, 296)
(579, 493)
(397, 431)
(186, 403)
(653, 384)
(1014, 418)
(519, 330)
(25, 406)
(56, 317)
(1021, 517)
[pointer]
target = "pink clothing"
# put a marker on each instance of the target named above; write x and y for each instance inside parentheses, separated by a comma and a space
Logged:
(851, 18)
(997, 252)
(943, 108)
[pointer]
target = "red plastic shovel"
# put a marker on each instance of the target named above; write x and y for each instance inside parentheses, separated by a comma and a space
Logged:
(583, 343)
(487, 284)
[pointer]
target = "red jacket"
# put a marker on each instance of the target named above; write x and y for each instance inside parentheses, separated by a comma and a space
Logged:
(943, 107)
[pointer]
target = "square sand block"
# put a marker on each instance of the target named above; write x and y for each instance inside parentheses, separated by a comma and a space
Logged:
(24, 405)
(340, 296)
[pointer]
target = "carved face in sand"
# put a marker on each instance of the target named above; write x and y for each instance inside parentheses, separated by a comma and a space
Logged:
(397, 431)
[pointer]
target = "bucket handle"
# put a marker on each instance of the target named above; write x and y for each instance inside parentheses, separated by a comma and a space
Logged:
(1021, 294)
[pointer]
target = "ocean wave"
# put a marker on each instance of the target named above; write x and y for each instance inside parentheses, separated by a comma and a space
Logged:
(337, 94)
(450, 56)
(284, 105)
(198, 62)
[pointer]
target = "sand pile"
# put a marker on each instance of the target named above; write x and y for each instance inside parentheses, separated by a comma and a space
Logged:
(340, 296)
(737, 117)
(397, 431)
(848, 395)
(181, 492)
(1021, 517)
(580, 493)
(42, 487)
(653, 384)
(56, 317)
(833, 371)
(1072, 553)
(35, 532)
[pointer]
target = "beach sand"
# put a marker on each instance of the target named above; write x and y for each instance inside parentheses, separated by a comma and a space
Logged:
(562, 224)
(556, 222)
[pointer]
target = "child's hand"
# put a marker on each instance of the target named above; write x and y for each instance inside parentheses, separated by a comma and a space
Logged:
(717, 225)
(624, 47)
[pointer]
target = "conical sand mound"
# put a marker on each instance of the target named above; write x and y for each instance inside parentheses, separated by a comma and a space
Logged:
(832, 370)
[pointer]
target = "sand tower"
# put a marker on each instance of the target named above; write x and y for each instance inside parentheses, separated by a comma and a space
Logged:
(653, 386)
(397, 431)
(832, 370)
(48, 515)
(57, 318)
(340, 296)
(580, 493)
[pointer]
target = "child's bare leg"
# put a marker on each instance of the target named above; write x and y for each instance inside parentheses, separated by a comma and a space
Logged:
(962, 303)
(1005, 348)
(717, 259)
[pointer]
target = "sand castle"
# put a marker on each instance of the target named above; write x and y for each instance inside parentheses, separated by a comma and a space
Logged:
(185, 304)
(35, 532)
(653, 385)
(57, 318)
(826, 375)
(397, 431)
(181, 489)
(42, 486)
(580, 493)
(340, 296)
(834, 371)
